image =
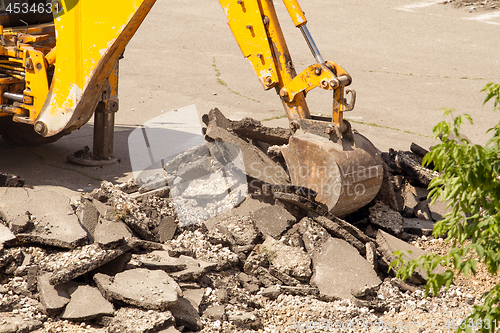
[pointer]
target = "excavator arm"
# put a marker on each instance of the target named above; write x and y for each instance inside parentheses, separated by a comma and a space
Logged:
(324, 154)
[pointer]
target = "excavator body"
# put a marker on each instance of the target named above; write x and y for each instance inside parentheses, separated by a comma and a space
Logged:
(59, 69)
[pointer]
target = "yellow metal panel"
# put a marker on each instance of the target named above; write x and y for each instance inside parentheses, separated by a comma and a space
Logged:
(297, 108)
(245, 20)
(295, 12)
(91, 35)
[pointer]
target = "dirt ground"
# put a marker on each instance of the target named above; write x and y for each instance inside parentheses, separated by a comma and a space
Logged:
(475, 5)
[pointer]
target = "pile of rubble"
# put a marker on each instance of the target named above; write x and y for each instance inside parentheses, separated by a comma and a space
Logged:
(117, 259)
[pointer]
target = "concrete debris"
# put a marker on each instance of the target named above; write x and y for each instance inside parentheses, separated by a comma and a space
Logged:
(5, 234)
(257, 164)
(186, 315)
(87, 303)
(253, 129)
(239, 230)
(147, 289)
(53, 298)
(418, 226)
(194, 269)
(245, 320)
(371, 255)
(287, 259)
(215, 312)
(271, 292)
(385, 217)
(304, 203)
(166, 229)
(194, 296)
(276, 245)
(160, 260)
(273, 220)
(339, 271)
(313, 234)
(108, 233)
(20, 224)
(54, 221)
(132, 320)
(389, 244)
(337, 231)
(70, 265)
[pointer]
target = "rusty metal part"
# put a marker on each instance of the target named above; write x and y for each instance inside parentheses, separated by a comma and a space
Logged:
(297, 108)
(345, 169)
(271, 189)
(104, 122)
(11, 110)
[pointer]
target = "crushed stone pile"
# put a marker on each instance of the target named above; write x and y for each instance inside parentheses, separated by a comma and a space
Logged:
(270, 258)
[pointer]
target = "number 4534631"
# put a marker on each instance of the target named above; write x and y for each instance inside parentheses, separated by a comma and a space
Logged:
(37, 8)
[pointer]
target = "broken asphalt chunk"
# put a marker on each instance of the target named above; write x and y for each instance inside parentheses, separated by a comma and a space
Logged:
(385, 217)
(87, 303)
(257, 164)
(83, 260)
(53, 298)
(132, 320)
(186, 315)
(389, 244)
(161, 260)
(195, 268)
(339, 270)
(147, 289)
(55, 223)
(273, 220)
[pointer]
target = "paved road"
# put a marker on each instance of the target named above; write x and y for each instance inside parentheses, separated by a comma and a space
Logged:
(408, 59)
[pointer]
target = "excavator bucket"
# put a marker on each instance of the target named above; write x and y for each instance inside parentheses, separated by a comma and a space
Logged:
(345, 170)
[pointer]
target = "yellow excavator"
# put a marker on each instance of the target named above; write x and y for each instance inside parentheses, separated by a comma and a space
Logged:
(58, 67)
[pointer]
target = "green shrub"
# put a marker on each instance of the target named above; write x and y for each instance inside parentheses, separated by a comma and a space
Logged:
(469, 182)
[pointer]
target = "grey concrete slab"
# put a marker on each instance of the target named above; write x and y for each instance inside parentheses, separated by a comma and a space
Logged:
(195, 268)
(273, 220)
(194, 296)
(161, 260)
(87, 303)
(111, 232)
(134, 320)
(290, 260)
(54, 220)
(140, 287)
(5, 234)
(53, 298)
(388, 244)
(339, 271)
